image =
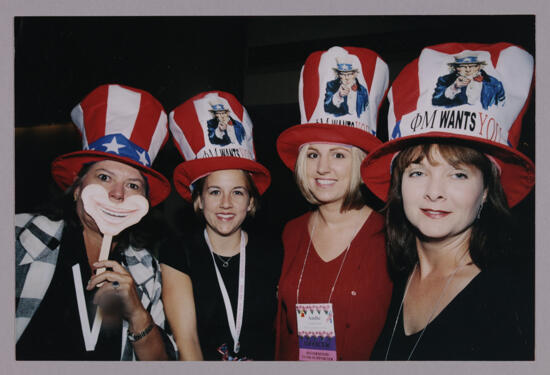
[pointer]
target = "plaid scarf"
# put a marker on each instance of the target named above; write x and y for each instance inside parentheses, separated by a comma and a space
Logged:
(37, 243)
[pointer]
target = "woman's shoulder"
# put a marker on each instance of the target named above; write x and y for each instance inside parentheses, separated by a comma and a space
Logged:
(178, 250)
(43, 223)
(372, 232)
(509, 278)
(265, 247)
(298, 223)
(34, 233)
(376, 221)
(302, 219)
(141, 263)
(263, 241)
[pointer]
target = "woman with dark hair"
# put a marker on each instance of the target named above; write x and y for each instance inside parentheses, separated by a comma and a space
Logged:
(57, 254)
(219, 285)
(488, 243)
(334, 289)
(459, 294)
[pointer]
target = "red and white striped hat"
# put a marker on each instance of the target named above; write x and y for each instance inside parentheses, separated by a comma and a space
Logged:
(472, 94)
(340, 94)
(212, 131)
(118, 123)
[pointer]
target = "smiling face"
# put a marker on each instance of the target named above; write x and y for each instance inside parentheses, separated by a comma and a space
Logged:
(328, 171)
(225, 201)
(110, 197)
(442, 200)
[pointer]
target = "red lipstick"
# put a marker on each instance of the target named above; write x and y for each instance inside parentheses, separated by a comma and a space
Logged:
(434, 214)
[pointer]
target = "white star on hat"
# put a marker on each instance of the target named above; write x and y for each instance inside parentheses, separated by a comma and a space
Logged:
(113, 146)
(142, 158)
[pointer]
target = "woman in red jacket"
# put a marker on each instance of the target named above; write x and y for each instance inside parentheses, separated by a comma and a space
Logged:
(334, 289)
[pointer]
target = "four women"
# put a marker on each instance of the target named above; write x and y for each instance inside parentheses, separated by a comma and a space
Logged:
(456, 297)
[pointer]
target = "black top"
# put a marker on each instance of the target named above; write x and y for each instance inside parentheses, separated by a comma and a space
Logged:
(263, 267)
(55, 333)
(492, 318)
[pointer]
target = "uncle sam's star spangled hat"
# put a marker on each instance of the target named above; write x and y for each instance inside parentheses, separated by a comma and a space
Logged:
(118, 123)
(426, 105)
(212, 131)
(327, 116)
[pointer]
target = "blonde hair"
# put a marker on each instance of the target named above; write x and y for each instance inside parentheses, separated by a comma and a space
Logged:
(353, 198)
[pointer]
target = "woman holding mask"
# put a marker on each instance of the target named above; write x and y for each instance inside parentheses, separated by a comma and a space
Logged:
(220, 285)
(447, 212)
(122, 130)
(334, 289)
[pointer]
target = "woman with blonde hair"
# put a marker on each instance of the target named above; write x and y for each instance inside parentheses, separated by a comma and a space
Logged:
(334, 289)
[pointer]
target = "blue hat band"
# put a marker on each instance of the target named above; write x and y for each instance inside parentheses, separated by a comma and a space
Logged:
(218, 107)
(345, 67)
(467, 60)
(118, 144)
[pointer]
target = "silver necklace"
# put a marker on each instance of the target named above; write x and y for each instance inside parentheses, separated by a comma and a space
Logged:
(225, 260)
(449, 279)
(307, 254)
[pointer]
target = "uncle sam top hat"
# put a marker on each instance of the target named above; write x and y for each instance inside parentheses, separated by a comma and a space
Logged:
(344, 65)
(426, 106)
(118, 123)
(212, 131)
(468, 57)
(330, 113)
(217, 106)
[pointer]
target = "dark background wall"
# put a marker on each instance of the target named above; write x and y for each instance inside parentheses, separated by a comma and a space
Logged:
(58, 60)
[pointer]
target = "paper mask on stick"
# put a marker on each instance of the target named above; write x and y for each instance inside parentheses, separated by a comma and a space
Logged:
(111, 217)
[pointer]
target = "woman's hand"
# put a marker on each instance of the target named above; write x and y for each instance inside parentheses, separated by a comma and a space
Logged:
(117, 285)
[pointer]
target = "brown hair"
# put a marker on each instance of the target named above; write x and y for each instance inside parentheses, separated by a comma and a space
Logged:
(253, 193)
(353, 198)
(489, 243)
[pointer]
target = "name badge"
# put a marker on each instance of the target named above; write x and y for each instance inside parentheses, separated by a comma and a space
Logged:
(316, 335)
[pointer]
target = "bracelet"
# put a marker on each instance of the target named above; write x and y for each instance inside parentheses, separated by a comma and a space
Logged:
(133, 337)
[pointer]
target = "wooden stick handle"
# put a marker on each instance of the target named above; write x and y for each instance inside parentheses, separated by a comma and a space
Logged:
(104, 252)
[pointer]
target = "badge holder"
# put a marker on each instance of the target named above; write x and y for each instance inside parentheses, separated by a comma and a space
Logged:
(316, 335)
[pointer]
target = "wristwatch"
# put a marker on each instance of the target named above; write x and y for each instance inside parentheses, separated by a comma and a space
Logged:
(133, 337)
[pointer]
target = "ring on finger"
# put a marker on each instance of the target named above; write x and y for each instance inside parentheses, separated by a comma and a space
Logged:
(116, 285)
